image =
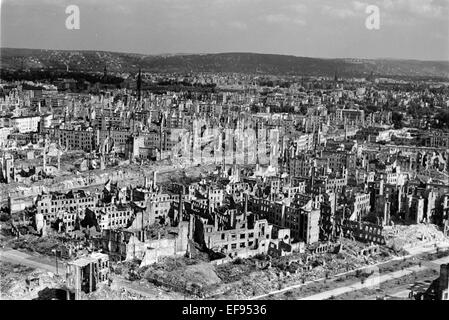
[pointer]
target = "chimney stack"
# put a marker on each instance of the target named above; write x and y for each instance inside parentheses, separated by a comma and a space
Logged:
(209, 204)
(154, 179)
(181, 203)
(45, 154)
(215, 222)
(246, 204)
(444, 280)
(191, 222)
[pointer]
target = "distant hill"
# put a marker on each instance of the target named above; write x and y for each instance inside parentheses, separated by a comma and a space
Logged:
(253, 63)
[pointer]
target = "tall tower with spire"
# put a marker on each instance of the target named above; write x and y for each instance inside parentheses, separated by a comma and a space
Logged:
(139, 85)
(335, 79)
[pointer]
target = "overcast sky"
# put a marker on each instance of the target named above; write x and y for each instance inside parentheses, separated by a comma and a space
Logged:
(416, 29)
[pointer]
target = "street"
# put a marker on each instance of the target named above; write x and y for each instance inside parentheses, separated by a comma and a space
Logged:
(19, 257)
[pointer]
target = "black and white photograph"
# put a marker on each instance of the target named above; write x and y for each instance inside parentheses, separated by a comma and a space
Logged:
(224, 158)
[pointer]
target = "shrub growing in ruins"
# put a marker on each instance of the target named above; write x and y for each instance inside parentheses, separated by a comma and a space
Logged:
(4, 217)
(262, 257)
(117, 270)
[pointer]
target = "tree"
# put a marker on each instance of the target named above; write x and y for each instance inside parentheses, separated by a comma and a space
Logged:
(396, 117)
(442, 119)
(303, 110)
(254, 108)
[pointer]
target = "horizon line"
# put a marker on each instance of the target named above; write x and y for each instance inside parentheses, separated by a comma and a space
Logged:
(226, 52)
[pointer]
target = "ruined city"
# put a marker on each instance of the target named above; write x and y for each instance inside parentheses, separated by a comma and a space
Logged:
(122, 181)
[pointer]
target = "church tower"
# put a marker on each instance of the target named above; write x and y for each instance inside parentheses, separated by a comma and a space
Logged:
(335, 79)
(139, 86)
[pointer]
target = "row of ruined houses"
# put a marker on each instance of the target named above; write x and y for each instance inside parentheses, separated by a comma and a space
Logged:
(254, 226)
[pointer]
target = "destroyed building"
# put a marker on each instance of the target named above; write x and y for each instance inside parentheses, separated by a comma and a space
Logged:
(86, 273)
(302, 221)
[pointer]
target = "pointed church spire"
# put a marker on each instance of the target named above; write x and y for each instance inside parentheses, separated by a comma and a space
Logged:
(139, 85)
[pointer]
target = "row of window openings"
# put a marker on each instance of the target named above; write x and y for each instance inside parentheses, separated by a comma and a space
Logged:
(242, 245)
(56, 210)
(119, 222)
(54, 203)
(234, 236)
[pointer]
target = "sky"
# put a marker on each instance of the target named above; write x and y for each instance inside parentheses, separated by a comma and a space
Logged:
(409, 29)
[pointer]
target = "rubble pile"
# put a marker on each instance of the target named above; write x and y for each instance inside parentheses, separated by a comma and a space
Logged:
(18, 282)
(11, 276)
(199, 278)
(234, 271)
(36, 244)
(128, 269)
(401, 237)
(107, 293)
(247, 279)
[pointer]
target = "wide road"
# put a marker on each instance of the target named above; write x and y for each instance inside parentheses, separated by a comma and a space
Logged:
(19, 257)
(374, 280)
(425, 248)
